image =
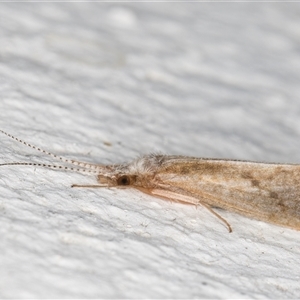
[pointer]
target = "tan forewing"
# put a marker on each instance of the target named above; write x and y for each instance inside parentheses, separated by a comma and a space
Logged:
(268, 192)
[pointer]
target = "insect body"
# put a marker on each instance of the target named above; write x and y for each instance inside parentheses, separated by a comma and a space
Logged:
(265, 191)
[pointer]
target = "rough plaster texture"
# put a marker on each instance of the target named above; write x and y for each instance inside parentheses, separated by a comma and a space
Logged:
(106, 82)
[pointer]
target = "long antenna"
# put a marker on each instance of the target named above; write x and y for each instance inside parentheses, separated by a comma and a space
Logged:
(61, 158)
(56, 167)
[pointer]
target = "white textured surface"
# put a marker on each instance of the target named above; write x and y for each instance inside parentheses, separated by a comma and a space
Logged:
(206, 79)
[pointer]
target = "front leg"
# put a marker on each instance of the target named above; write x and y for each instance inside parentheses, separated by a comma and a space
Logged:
(92, 186)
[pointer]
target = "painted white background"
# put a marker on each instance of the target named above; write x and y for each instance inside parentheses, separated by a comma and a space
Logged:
(105, 83)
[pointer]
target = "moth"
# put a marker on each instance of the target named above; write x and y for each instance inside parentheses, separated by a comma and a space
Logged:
(268, 192)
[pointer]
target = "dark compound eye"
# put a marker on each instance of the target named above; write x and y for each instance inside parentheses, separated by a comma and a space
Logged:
(123, 180)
